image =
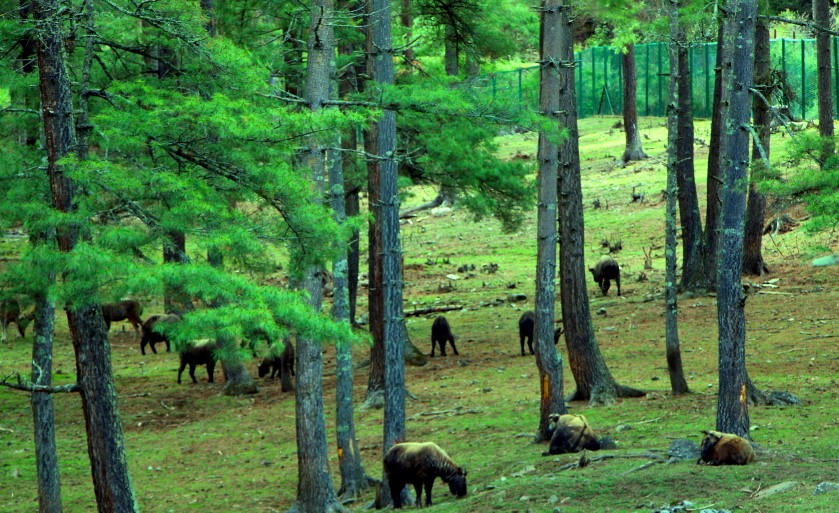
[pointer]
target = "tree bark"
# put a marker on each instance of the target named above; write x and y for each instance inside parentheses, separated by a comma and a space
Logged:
(593, 379)
(43, 412)
(548, 359)
(712, 205)
(822, 17)
(452, 53)
(406, 18)
(678, 384)
(315, 490)
(737, 68)
(753, 262)
(634, 150)
(105, 440)
(693, 265)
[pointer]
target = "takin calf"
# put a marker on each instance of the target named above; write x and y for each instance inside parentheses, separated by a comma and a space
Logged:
(725, 449)
(152, 336)
(419, 464)
(572, 433)
(527, 323)
(10, 313)
(604, 270)
(127, 309)
(440, 334)
(199, 352)
(282, 364)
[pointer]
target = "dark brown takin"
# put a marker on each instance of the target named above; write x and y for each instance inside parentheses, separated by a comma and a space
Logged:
(419, 464)
(198, 352)
(725, 449)
(527, 324)
(441, 333)
(604, 270)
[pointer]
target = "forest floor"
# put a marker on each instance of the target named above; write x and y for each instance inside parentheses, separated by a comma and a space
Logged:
(191, 449)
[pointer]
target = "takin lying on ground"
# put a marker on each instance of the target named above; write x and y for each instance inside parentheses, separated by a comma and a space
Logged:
(419, 464)
(573, 433)
(725, 449)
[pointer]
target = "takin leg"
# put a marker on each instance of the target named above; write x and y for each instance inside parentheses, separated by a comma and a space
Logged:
(428, 484)
(454, 347)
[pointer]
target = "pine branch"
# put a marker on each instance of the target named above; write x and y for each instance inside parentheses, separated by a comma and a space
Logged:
(28, 386)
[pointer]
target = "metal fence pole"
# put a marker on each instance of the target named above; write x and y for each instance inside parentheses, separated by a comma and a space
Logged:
(803, 81)
(836, 75)
(647, 80)
(593, 83)
(578, 69)
(660, 75)
(707, 81)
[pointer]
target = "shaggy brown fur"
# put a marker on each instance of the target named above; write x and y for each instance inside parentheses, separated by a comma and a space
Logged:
(725, 449)
(199, 352)
(571, 433)
(527, 325)
(420, 463)
(441, 333)
(604, 270)
(127, 309)
(10, 313)
(151, 337)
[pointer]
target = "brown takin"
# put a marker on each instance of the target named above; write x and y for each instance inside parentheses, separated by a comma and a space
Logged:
(152, 336)
(571, 433)
(127, 309)
(10, 313)
(419, 464)
(725, 449)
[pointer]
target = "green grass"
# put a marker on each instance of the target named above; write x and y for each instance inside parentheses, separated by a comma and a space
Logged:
(190, 449)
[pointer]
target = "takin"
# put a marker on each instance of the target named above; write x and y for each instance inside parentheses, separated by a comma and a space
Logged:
(604, 270)
(10, 313)
(725, 449)
(440, 334)
(199, 352)
(127, 309)
(282, 364)
(152, 336)
(527, 323)
(419, 464)
(571, 433)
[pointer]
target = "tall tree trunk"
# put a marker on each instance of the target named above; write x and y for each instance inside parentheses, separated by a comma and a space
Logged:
(388, 220)
(315, 490)
(822, 17)
(452, 53)
(593, 379)
(678, 384)
(406, 19)
(712, 204)
(548, 359)
(693, 264)
(634, 150)
(43, 412)
(737, 66)
(105, 440)
(354, 479)
(753, 262)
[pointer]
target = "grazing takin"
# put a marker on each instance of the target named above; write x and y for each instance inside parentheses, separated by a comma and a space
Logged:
(10, 313)
(725, 449)
(419, 464)
(571, 433)
(440, 334)
(282, 364)
(199, 352)
(604, 270)
(152, 336)
(527, 323)
(127, 309)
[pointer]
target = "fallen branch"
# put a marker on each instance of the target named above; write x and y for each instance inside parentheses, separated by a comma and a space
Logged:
(432, 309)
(143, 394)
(410, 212)
(832, 335)
(455, 411)
(576, 464)
(165, 406)
(642, 467)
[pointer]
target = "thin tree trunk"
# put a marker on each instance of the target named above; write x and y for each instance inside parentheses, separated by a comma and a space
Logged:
(822, 16)
(394, 349)
(678, 385)
(753, 262)
(634, 150)
(593, 379)
(548, 359)
(315, 490)
(693, 264)
(452, 53)
(105, 440)
(43, 412)
(738, 66)
(712, 204)
(406, 18)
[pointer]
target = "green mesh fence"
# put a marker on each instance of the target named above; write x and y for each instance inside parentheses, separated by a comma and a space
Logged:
(599, 80)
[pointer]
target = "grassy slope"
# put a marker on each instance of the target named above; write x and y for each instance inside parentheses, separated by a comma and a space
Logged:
(191, 449)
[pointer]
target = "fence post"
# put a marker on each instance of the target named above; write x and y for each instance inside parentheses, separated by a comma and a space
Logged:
(578, 69)
(803, 81)
(647, 80)
(660, 74)
(593, 83)
(707, 81)
(620, 80)
(521, 91)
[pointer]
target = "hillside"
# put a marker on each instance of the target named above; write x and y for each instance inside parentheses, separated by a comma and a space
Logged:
(191, 449)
